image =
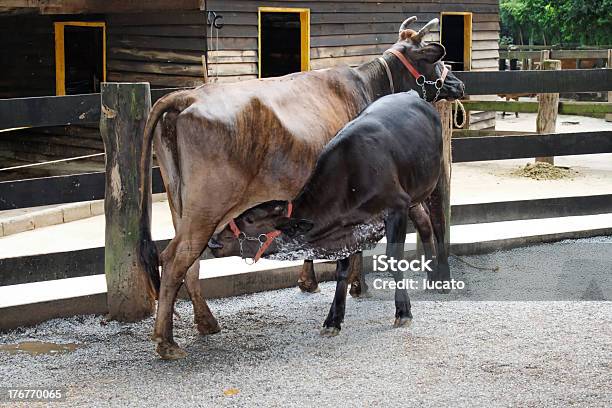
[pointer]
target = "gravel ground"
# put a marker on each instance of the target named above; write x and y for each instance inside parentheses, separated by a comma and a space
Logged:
(552, 350)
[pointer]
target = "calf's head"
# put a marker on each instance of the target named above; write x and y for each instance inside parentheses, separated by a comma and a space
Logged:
(427, 59)
(252, 226)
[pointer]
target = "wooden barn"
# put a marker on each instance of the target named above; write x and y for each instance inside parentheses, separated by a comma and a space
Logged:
(55, 47)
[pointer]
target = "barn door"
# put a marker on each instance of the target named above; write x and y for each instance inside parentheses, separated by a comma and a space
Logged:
(80, 57)
(284, 41)
(456, 36)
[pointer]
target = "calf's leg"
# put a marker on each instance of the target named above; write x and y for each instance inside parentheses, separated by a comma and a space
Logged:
(331, 327)
(307, 281)
(359, 287)
(436, 211)
(396, 224)
(421, 221)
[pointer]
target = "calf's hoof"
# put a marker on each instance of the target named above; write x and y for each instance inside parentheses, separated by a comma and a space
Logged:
(330, 331)
(402, 322)
(170, 351)
(205, 328)
(358, 292)
(309, 286)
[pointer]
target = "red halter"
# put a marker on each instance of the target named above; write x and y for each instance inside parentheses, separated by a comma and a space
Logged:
(269, 237)
(420, 79)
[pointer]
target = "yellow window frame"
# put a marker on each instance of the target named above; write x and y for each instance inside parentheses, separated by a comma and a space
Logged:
(467, 35)
(60, 57)
(304, 33)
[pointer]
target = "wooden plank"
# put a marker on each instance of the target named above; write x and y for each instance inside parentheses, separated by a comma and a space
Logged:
(485, 63)
(578, 54)
(332, 62)
(59, 189)
(519, 55)
(161, 43)
(485, 54)
(504, 82)
(157, 18)
(195, 70)
(472, 149)
(197, 31)
(232, 78)
(49, 111)
(155, 79)
(531, 209)
(232, 69)
(501, 106)
(113, 6)
(485, 35)
(356, 39)
(348, 51)
(485, 45)
(485, 26)
(135, 54)
(317, 18)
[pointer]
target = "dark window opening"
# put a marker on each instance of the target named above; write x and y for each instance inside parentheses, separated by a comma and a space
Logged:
(453, 40)
(280, 44)
(83, 50)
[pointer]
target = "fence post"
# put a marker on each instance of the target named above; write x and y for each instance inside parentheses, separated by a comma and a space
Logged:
(609, 66)
(125, 107)
(548, 107)
(445, 110)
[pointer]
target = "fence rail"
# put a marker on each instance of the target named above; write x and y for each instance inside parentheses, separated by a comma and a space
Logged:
(79, 109)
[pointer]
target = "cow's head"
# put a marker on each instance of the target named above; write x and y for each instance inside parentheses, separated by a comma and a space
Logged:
(253, 224)
(427, 59)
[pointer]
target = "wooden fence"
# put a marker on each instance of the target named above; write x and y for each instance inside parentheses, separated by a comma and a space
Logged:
(62, 110)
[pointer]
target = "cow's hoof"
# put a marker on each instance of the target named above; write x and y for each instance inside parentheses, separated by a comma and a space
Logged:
(205, 328)
(402, 322)
(170, 351)
(330, 331)
(309, 286)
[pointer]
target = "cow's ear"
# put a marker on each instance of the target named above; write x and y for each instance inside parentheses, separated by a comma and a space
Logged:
(432, 52)
(293, 226)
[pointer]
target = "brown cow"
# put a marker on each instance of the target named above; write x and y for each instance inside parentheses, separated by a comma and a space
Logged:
(224, 148)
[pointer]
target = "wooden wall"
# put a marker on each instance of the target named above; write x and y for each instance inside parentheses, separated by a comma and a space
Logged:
(163, 48)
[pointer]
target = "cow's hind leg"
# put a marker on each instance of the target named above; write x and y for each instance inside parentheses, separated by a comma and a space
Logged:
(422, 222)
(176, 259)
(359, 287)
(203, 317)
(396, 224)
(331, 327)
(307, 281)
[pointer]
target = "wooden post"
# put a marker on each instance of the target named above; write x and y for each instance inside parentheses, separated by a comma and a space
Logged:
(609, 66)
(445, 110)
(544, 55)
(125, 107)
(548, 107)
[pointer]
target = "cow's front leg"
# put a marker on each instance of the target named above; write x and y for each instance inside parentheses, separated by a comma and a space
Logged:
(395, 225)
(359, 287)
(331, 327)
(203, 317)
(308, 280)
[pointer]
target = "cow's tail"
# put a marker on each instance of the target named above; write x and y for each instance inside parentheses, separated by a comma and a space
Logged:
(176, 101)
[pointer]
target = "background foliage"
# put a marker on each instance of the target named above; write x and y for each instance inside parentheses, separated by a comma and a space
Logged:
(547, 22)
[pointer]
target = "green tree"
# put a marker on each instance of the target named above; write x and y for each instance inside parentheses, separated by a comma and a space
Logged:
(584, 22)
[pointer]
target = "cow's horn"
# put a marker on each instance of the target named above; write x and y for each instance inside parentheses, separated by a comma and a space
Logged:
(427, 28)
(407, 22)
